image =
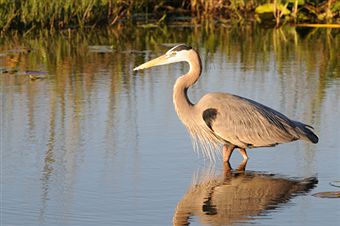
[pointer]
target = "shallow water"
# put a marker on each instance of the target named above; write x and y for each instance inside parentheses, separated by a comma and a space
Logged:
(90, 142)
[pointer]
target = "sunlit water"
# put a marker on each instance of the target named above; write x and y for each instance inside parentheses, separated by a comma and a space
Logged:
(94, 143)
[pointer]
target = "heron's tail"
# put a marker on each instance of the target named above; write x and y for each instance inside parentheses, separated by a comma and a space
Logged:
(306, 132)
(306, 185)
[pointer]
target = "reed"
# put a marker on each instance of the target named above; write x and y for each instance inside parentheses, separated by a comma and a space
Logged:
(63, 14)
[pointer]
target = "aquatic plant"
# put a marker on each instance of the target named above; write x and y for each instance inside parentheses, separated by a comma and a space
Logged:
(64, 14)
(298, 11)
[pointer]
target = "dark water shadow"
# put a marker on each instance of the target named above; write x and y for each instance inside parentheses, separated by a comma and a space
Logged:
(237, 196)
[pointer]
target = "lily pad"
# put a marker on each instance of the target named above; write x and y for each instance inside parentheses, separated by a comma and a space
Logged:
(335, 183)
(327, 194)
(270, 7)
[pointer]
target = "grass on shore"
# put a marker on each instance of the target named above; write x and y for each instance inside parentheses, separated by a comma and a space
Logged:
(61, 14)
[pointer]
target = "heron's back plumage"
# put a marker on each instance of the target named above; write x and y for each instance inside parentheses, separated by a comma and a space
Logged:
(246, 123)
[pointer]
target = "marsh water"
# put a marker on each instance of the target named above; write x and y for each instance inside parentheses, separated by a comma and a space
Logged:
(85, 140)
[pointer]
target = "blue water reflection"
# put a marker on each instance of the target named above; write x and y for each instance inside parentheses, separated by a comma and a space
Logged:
(97, 144)
(237, 196)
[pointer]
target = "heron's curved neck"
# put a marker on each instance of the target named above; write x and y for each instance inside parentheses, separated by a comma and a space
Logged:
(180, 96)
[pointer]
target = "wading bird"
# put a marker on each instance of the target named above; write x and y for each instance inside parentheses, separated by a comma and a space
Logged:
(226, 119)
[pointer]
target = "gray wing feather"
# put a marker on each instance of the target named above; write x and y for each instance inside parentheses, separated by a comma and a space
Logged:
(246, 123)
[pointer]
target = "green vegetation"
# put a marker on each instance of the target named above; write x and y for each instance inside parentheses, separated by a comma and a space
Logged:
(59, 54)
(63, 14)
(66, 58)
(299, 11)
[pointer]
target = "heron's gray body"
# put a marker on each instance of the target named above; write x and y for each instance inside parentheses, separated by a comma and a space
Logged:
(226, 119)
(246, 123)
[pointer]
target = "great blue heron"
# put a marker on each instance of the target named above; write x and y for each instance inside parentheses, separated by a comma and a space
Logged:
(226, 119)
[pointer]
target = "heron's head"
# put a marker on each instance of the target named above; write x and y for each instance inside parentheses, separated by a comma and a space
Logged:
(178, 53)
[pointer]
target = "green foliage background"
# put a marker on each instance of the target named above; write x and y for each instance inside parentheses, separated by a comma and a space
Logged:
(61, 14)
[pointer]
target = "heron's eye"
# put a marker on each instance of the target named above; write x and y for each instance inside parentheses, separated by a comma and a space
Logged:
(171, 54)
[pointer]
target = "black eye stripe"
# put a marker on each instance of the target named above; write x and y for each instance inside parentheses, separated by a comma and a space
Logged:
(181, 47)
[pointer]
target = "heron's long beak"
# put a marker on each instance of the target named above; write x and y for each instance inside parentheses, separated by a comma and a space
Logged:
(164, 59)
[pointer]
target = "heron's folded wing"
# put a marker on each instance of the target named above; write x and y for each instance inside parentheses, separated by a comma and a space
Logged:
(246, 123)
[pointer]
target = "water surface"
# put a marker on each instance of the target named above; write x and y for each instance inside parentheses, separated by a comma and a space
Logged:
(90, 142)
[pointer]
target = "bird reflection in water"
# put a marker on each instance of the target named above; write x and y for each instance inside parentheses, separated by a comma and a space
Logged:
(237, 196)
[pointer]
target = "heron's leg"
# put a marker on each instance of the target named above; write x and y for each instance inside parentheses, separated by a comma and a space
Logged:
(244, 153)
(227, 170)
(242, 166)
(227, 167)
(227, 151)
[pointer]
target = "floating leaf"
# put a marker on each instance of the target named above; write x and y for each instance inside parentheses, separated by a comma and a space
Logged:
(335, 183)
(327, 194)
(270, 8)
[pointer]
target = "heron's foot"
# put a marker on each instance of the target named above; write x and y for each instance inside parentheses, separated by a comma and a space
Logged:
(227, 169)
(244, 153)
(242, 166)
